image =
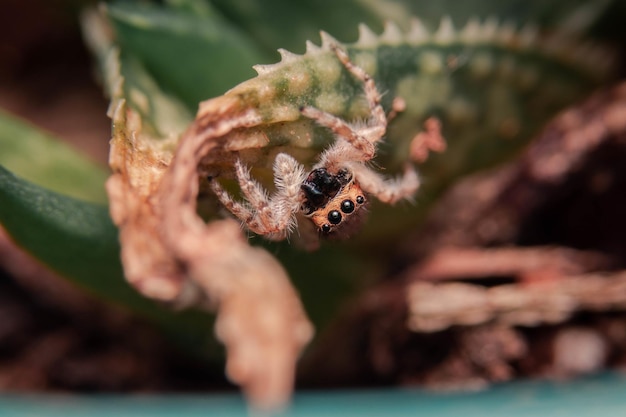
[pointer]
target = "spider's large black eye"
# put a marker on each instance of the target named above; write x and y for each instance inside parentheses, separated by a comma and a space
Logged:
(360, 199)
(334, 217)
(347, 206)
(326, 228)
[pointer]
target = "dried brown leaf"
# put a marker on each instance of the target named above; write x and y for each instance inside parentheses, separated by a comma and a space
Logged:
(170, 254)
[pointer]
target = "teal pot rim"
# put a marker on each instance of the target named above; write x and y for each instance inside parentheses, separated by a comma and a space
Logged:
(599, 395)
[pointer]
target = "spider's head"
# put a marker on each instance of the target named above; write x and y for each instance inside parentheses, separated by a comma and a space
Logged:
(343, 215)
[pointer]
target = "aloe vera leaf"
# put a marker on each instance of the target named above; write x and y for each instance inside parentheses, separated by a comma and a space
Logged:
(74, 237)
(556, 14)
(78, 240)
(492, 85)
(44, 160)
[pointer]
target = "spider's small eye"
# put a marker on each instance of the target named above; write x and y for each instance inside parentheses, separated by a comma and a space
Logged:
(360, 199)
(347, 206)
(334, 217)
(326, 228)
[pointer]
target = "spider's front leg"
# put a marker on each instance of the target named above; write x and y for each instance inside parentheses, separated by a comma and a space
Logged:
(359, 141)
(386, 190)
(271, 216)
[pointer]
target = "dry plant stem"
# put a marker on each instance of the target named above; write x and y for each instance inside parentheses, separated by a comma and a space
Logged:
(260, 318)
(434, 307)
(171, 255)
(430, 140)
(451, 263)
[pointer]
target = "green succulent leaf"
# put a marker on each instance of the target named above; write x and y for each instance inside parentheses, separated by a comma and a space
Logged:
(77, 240)
(44, 160)
(52, 205)
(69, 235)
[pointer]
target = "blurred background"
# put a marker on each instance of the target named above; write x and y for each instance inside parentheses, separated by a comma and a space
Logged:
(527, 227)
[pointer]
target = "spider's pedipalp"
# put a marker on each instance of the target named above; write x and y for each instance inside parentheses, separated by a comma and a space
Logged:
(288, 175)
(288, 178)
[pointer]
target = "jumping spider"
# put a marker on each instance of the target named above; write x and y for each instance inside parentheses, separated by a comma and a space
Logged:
(333, 195)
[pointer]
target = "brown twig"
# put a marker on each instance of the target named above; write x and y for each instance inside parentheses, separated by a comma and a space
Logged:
(433, 307)
(450, 263)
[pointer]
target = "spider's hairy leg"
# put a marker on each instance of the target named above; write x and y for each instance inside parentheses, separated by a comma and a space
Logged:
(257, 198)
(340, 152)
(239, 210)
(272, 216)
(363, 138)
(387, 190)
(341, 129)
(378, 118)
(287, 200)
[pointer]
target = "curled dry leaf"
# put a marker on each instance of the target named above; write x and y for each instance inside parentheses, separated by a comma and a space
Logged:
(261, 320)
(170, 254)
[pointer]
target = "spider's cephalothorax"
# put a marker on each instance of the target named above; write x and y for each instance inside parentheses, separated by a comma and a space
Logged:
(321, 186)
(334, 203)
(343, 215)
(333, 194)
